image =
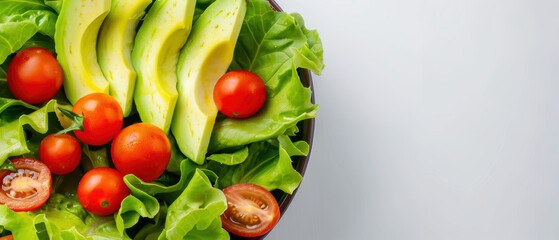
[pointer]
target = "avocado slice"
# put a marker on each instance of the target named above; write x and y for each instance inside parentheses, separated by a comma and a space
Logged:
(75, 40)
(204, 59)
(116, 39)
(156, 51)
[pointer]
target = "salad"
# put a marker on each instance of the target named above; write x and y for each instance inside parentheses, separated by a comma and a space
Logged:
(141, 119)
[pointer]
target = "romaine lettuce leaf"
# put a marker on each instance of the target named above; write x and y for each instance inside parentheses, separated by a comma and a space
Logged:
(273, 45)
(21, 20)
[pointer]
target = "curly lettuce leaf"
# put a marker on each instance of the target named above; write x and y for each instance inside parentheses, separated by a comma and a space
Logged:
(13, 141)
(20, 21)
(195, 213)
(62, 217)
(145, 198)
(273, 45)
(267, 165)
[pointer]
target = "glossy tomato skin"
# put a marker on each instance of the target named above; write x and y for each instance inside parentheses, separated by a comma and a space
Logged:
(34, 75)
(239, 94)
(101, 191)
(252, 210)
(103, 118)
(141, 149)
(60, 153)
(28, 188)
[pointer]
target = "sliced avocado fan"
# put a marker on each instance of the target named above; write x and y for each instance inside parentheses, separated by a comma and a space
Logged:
(75, 42)
(154, 56)
(116, 39)
(204, 59)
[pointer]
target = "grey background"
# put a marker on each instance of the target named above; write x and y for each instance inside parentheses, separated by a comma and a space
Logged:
(439, 119)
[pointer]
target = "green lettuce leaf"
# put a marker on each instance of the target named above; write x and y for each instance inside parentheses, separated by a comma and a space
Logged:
(273, 45)
(267, 165)
(20, 21)
(195, 213)
(233, 158)
(145, 198)
(14, 141)
(62, 217)
(56, 5)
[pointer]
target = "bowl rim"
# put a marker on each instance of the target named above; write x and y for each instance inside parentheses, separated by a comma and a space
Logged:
(307, 135)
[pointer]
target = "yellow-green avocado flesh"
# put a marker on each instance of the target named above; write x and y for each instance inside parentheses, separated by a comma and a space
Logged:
(115, 43)
(204, 59)
(75, 42)
(154, 56)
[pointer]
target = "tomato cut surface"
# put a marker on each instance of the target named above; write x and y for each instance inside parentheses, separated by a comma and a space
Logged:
(251, 210)
(28, 188)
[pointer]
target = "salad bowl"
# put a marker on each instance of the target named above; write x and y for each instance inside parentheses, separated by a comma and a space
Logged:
(279, 137)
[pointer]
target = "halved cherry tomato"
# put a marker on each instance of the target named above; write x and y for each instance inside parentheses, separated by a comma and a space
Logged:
(103, 118)
(239, 94)
(141, 149)
(101, 191)
(251, 210)
(34, 75)
(28, 188)
(60, 153)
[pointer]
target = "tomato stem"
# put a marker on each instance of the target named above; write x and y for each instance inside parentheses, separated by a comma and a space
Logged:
(77, 121)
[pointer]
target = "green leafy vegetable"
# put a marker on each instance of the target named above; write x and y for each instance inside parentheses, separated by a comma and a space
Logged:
(62, 217)
(13, 141)
(272, 45)
(195, 213)
(56, 5)
(8, 165)
(236, 157)
(20, 21)
(267, 165)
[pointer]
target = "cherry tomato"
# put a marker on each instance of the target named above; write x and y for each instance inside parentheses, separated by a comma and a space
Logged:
(141, 149)
(60, 153)
(101, 191)
(239, 94)
(34, 75)
(251, 210)
(9, 237)
(28, 188)
(103, 118)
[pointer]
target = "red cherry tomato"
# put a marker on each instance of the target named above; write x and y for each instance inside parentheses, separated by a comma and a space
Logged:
(28, 188)
(9, 237)
(34, 75)
(141, 149)
(60, 153)
(103, 118)
(101, 191)
(251, 210)
(239, 94)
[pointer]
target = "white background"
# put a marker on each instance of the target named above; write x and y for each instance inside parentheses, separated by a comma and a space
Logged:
(439, 119)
